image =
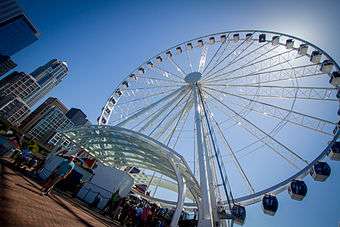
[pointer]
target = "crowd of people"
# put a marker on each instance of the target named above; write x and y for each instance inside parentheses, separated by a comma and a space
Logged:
(133, 211)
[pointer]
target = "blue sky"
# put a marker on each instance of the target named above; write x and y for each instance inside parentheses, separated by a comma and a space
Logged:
(103, 41)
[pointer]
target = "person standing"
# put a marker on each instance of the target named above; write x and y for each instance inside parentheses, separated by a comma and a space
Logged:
(111, 204)
(60, 173)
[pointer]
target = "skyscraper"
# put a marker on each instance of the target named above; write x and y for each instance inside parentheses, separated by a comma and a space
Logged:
(18, 84)
(6, 64)
(16, 30)
(76, 116)
(39, 112)
(13, 109)
(52, 120)
(47, 76)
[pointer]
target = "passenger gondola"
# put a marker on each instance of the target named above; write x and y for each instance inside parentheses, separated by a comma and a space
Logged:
(297, 190)
(236, 37)
(334, 153)
(238, 213)
(289, 44)
(320, 171)
(270, 204)
(262, 38)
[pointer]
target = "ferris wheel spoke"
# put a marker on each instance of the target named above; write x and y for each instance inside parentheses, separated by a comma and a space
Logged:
(286, 118)
(166, 73)
(213, 57)
(158, 113)
(250, 53)
(236, 161)
(146, 97)
(304, 120)
(153, 87)
(152, 116)
(174, 120)
(277, 74)
(150, 106)
(283, 92)
(182, 117)
(203, 58)
(181, 127)
(271, 142)
(176, 105)
(189, 60)
(247, 54)
(161, 79)
(264, 64)
(225, 46)
(223, 59)
(231, 62)
(178, 68)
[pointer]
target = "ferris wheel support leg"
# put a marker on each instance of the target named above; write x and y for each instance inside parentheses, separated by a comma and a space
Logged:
(205, 219)
(211, 178)
(181, 195)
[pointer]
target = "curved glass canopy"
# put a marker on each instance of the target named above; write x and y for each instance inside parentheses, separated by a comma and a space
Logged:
(120, 147)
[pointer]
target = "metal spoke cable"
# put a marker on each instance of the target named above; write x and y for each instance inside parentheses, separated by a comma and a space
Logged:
(261, 139)
(232, 61)
(226, 46)
(230, 53)
(235, 158)
(203, 58)
(161, 79)
(224, 178)
(150, 106)
(179, 69)
(255, 129)
(272, 72)
(187, 107)
(177, 104)
(209, 62)
(163, 71)
(286, 92)
(145, 97)
(169, 124)
(254, 64)
(149, 88)
(181, 127)
(250, 53)
(189, 60)
(294, 117)
(159, 112)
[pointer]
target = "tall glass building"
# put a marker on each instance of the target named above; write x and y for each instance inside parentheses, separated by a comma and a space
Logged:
(47, 76)
(16, 30)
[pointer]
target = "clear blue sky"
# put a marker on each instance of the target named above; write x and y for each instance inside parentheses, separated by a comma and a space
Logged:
(103, 41)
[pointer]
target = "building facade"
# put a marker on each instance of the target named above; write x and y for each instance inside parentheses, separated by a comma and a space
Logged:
(16, 30)
(53, 119)
(47, 76)
(18, 84)
(6, 64)
(40, 111)
(13, 109)
(76, 116)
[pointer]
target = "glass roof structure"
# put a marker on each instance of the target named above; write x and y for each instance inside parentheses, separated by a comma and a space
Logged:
(119, 147)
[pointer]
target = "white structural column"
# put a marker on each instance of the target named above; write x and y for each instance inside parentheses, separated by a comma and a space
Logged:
(211, 176)
(205, 218)
(181, 194)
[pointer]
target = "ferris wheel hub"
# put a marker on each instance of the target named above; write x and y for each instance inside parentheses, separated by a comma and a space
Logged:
(193, 77)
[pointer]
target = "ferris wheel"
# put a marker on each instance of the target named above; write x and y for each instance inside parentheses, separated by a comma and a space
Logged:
(252, 112)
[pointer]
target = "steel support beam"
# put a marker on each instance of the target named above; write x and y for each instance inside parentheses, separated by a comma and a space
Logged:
(205, 218)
